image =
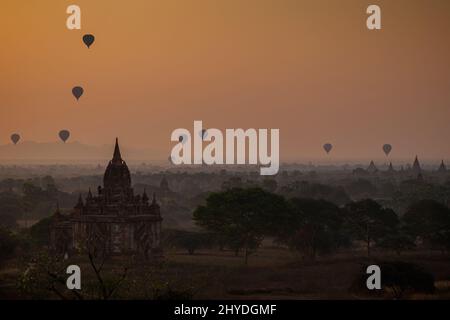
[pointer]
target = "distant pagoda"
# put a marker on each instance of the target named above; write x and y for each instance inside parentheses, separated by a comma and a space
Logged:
(442, 167)
(391, 168)
(372, 168)
(416, 166)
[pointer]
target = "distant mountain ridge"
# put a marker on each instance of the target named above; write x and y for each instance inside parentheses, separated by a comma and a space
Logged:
(70, 151)
(32, 152)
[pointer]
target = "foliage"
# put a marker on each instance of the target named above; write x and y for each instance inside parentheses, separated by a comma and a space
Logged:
(191, 241)
(398, 242)
(306, 190)
(243, 216)
(10, 209)
(366, 220)
(315, 227)
(397, 279)
(429, 220)
(269, 185)
(361, 188)
(8, 244)
(45, 275)
(39, 232)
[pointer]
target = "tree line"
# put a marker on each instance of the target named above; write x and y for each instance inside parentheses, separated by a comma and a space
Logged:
(240, 218)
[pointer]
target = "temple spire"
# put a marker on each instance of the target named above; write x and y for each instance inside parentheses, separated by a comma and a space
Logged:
(391, 167)
(117, 157)
(416, 165)
(144, 197)
(80, 202)
(57, 211)
(372, 168)
(442, 167)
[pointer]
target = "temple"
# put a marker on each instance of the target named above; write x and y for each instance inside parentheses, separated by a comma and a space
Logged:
(416, 168)
(391, 168)
(372, 168)
(115, 221)
(442, 167)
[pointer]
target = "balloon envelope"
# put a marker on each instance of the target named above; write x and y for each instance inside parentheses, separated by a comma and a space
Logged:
(203, 134)
(77, 92)
(387, 148)
(64, 135)
(327, 147)
(15, 138)
(88, 39)
(183, 138)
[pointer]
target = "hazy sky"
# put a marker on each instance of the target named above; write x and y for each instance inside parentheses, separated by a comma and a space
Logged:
(309, 68)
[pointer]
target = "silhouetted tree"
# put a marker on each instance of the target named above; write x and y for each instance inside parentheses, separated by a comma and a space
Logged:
(269, 185)
(398, 242)
(306, 190)
(429, 220)
(315, 226)
(397, 278)
(233, 182)
(39, 232)
(11, 208)
(367, 221)
(242, 216)
(191, 241)
(361, 188)
(8, 244)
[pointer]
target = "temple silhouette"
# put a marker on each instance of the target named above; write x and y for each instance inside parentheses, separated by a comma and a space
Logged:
(115, 221)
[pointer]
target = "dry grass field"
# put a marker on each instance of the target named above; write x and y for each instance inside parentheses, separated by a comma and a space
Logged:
(272, 273)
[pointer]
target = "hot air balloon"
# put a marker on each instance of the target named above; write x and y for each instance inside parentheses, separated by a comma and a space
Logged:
(387, 148)
(88, 39)
(183, 138)
(77, 92)
(64, 135)
(327, 147)
(203, 134)
(15, 138)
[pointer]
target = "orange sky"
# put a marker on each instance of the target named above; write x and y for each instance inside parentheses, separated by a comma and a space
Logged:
(309, 68)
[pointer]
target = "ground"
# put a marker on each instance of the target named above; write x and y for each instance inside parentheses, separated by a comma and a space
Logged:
(272, 273)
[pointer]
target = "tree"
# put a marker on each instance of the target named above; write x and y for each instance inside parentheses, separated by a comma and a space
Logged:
(48, 181)
(269, 185)
(8, 244)
(10, 209)
(306, 190)
(39, 232)
(47, 274)
(314, 227)
(233, 182)
(429, 220)
(398, 241)
(189, 240)
(397, 279)
(242, 216)
(368, 221)
(361, 188)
